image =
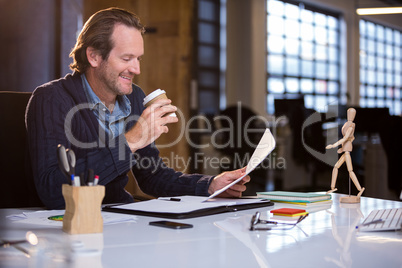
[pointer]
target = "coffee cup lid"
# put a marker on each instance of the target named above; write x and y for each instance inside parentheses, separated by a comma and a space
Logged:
(153, 95)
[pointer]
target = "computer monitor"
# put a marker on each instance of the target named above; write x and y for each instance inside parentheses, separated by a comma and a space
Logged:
(369, 120)
(287, 106)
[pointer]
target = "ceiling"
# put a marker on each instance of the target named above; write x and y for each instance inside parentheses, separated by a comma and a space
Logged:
(378, 3)
(392, 2)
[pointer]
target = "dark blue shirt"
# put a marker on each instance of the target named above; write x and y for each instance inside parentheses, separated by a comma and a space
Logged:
(58, 113)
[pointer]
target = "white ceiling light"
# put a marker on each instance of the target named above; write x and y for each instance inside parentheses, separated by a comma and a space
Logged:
(379, 10)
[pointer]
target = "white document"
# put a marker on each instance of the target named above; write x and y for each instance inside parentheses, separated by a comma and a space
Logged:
(264, 148)
(41, 217)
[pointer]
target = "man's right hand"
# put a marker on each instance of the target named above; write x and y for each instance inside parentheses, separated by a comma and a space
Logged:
(151, 124)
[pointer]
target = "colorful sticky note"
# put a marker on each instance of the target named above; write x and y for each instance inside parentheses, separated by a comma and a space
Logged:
(291, 212)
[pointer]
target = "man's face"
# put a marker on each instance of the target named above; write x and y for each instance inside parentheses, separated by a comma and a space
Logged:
(115, 74)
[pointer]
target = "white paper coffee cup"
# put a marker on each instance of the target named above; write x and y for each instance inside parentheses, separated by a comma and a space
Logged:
(154, 96)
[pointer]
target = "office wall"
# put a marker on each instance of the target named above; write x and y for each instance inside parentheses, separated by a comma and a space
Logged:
(246, 45)
(167, 64)
(35, 40)
(27, 59)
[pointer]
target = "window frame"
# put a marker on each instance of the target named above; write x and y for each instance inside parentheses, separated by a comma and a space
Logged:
(328, 95)
(372, 92)
(214, 84)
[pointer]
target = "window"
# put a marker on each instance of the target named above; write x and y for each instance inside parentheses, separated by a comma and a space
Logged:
(209, 71)
(380, 67)
(211, 55)
(303, 54)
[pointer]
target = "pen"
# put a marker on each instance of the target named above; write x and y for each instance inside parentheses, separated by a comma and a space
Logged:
(96, 180)
(370, 222)
(14, 244)
(77, 181)
(82, 178)
(90, 177)
(171, 199)
(6, 243)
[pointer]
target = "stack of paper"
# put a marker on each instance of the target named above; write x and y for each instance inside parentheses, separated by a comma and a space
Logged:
(297, 199)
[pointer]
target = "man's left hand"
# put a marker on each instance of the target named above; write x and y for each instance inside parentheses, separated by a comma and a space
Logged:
(226, 178)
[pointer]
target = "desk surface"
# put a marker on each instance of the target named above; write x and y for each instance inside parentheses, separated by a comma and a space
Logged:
(326, 238)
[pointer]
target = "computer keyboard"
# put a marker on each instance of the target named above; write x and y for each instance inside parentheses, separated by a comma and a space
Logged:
(382, 220)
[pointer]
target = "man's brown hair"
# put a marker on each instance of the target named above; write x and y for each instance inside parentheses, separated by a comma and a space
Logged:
(97, 33)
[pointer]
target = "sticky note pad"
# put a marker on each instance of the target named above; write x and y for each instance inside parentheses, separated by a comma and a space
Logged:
(290, 212)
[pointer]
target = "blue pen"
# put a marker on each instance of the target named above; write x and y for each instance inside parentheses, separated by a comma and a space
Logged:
(368, 223)
(72, 179)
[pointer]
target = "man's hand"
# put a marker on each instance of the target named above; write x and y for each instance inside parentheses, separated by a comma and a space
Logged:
(226, 178)
(151, 124)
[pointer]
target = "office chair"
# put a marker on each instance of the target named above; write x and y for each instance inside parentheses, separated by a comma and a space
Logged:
(391, 133)
(311, 136)
(378, 120)
(134, 189)
(17, 185)
(241, 142)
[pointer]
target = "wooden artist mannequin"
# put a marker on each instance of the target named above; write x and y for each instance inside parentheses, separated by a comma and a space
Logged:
(348, 130)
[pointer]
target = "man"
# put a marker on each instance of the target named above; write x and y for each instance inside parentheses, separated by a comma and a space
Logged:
(98, 112)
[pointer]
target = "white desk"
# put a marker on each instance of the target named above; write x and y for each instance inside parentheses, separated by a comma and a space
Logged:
(326, 238)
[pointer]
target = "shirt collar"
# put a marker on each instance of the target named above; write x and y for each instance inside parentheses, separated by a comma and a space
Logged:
(123, 103)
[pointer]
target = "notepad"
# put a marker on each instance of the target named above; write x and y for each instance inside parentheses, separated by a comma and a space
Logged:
(289, 212)
(293, 196)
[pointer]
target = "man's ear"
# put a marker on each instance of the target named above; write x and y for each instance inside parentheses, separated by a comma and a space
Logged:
(94, 57)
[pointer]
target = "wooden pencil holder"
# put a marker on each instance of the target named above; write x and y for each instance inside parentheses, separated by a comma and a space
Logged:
(83, 209)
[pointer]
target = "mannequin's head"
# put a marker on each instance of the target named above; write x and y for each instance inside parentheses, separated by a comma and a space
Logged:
(351, 114)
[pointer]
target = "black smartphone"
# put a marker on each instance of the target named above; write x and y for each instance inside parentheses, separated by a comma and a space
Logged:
(171, 224)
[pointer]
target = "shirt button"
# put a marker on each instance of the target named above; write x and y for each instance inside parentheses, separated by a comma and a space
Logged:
(104, 109)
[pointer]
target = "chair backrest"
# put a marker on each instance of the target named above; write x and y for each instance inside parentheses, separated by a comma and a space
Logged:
(17, 186)
(241, 131)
